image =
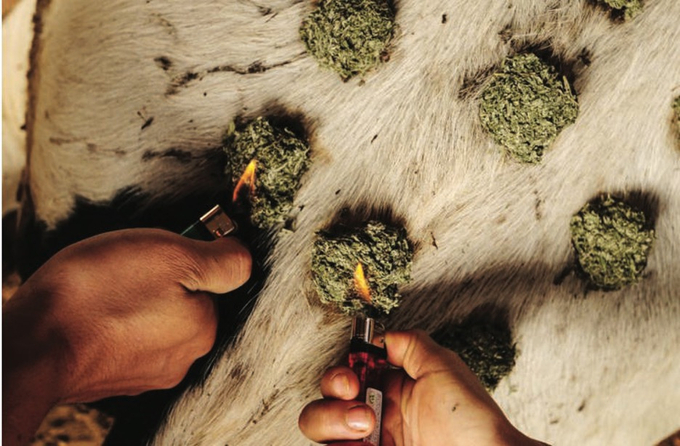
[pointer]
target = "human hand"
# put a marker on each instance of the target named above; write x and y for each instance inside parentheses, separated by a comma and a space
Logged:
(434, 400)
(117, 314)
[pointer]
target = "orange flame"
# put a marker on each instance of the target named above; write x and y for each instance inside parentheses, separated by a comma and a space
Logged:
(361, 284)
(248, 178)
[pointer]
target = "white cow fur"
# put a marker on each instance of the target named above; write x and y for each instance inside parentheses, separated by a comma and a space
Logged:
(502, 229)
(16, 42)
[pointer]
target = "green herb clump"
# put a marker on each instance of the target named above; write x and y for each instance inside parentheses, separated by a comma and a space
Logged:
(282, 158)
(630, 8)
(349, 36)
(485, 347)
(525, 107)
(385, 255)
(612, 241)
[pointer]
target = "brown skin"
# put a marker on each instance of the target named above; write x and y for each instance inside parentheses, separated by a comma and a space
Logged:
(117, 314)
(434, 400)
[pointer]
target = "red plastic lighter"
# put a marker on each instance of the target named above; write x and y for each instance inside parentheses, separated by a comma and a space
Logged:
(368, 362)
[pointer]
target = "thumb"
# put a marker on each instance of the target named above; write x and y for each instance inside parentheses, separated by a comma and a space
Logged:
(218, 266)
(418, 354)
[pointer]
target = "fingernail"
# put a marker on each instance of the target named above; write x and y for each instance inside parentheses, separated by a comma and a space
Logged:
(358, 418)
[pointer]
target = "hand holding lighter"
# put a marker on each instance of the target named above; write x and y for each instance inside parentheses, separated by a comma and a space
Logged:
(368, 361)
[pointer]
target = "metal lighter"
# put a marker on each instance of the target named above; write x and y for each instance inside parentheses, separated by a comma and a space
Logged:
(368, 361)
(212, 225)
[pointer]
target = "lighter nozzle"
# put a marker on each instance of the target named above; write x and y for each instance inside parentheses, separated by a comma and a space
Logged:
(363, 328)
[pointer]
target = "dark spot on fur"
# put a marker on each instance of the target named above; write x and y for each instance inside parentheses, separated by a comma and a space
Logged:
(147, 123)
(434, 240)
(538, 213)
(181, 81)
(374, 138)
(506, 34)
(563, 274)
(237, 372)
(183, 156)
(338, 191)
(554, 421)
(59, 141)
(582, 406)
(23, 127)
(444, 18)
(165, 23)
(254, 68)
(585, 57)
(163, 62)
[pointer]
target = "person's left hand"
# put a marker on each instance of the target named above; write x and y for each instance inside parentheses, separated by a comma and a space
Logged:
(117, 314)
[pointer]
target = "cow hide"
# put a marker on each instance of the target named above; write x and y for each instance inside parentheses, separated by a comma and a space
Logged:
(136, 96)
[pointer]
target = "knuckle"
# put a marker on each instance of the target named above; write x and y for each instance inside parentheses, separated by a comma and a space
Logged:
(182, 265)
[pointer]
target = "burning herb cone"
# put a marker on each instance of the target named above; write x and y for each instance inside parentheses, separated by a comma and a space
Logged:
(526, 106)
(612, 241)
(281, 158)
(385, 256)
(349, 36)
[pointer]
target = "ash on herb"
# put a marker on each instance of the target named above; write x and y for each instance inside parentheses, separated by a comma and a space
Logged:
(349, 36)
(282, 158)
(385, 255)
(630, 8)
(485, 347)
(612, 241)
(526, 106)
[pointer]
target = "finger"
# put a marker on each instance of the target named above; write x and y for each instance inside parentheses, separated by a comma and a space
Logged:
(341, 383)
(219, 266)
(329, 420)
(417, 353)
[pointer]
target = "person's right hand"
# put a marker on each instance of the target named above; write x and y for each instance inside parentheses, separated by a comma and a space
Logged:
(434, 400)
